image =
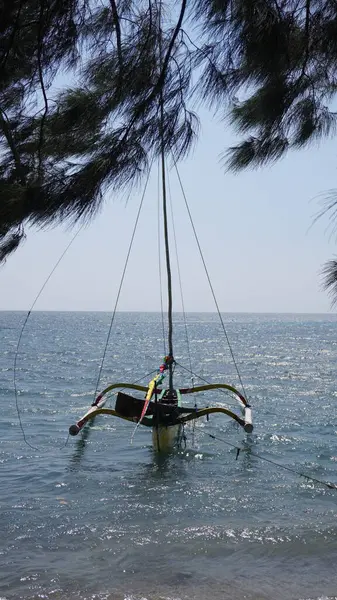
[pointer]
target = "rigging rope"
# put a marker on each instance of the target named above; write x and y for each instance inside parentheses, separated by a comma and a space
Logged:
(222, 391)
(23, 328)
(193, 424)
(122, 281)
(166, 235)
(331, 486)
(207, 275)
(179, 278)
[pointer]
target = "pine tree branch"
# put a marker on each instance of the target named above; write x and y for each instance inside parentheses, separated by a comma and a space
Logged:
(117, 24)
(4, 125)
(329, 273)
(43, 89)
(156, 90)
(162, 76)
(307, 39)
(15, 29)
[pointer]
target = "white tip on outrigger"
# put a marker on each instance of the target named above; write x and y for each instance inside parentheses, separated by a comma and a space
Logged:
(247, 415)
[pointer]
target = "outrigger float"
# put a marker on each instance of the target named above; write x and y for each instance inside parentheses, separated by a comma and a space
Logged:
(162, 408)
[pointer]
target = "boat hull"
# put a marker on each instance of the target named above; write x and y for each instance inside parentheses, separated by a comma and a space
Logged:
(166, 438)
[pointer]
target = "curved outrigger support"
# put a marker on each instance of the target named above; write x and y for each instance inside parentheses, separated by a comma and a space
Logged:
(245, 406)
(99, 403)
(165, 411)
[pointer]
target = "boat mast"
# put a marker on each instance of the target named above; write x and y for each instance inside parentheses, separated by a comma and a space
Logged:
(167, 251)
(166, 235)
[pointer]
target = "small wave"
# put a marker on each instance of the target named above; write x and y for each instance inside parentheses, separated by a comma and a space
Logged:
(132, 597)
(6, 391)
(321, 598)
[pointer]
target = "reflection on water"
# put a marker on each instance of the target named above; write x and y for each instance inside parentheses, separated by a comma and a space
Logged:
(80, 446)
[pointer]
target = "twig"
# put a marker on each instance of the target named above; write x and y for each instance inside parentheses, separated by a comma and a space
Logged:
(43, 89)
(117, 24)
(15, 28)
(4, 124)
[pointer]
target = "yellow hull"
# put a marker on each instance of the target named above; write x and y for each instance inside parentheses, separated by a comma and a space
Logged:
(165, 438)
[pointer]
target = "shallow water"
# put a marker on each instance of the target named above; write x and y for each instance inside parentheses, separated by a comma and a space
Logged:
(95, 517)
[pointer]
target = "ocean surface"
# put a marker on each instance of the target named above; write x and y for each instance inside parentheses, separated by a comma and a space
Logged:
(98, 518)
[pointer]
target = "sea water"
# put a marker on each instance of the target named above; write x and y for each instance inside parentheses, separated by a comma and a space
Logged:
(96, 517)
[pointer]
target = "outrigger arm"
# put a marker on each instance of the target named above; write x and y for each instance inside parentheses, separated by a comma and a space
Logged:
(177, 415)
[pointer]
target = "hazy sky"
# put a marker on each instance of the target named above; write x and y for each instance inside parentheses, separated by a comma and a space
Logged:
(253, 229)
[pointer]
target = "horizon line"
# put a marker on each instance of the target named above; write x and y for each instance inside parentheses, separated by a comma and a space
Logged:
(230, 312)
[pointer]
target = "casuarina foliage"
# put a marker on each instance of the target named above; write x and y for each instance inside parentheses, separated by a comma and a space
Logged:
(81, 83)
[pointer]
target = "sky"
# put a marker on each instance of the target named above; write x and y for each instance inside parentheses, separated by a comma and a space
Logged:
(262, 250)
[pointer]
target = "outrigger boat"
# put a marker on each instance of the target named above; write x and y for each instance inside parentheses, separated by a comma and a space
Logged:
(162, 408)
